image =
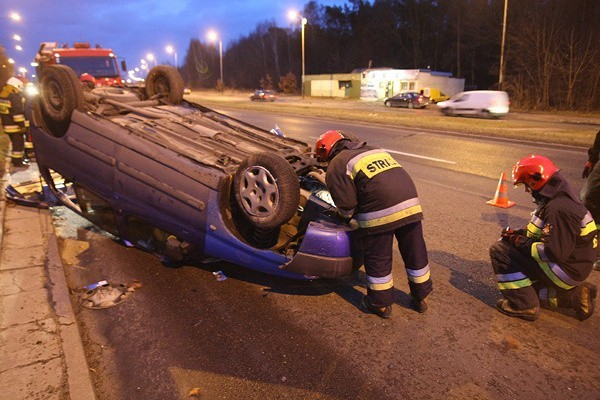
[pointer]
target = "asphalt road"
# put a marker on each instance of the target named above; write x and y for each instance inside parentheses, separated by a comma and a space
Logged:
(253, 336)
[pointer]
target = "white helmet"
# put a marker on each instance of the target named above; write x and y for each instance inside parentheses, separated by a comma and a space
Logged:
(16, 82)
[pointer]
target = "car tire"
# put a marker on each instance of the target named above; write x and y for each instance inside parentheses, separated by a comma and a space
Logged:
(166, 81)
(411, 106)
(61, 93)
(387, 104)
(267, 190)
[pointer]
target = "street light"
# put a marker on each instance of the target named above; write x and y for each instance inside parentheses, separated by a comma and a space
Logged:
(150, 57)
(293, 15)
(15, 16)
(170, 49)
(213, 36)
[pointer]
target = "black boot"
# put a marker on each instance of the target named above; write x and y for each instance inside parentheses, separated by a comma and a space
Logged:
(528, 314)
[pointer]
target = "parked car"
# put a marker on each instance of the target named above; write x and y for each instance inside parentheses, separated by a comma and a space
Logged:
(483, 103)
(263, 95)
(181, 180)
(407, 99)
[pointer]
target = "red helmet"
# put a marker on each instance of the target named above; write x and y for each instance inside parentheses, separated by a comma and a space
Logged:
(534, 171)
(325, 143)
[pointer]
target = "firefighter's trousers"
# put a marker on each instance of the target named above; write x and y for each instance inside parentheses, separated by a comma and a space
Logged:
(378, 263)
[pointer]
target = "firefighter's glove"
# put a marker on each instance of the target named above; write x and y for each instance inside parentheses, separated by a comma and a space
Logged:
(508, 231)
(587, 169)
(520, 242)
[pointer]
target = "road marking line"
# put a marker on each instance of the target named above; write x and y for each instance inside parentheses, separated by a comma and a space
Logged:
(418, 156)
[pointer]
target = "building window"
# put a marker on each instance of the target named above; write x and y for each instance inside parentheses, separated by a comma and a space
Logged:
(344, 84)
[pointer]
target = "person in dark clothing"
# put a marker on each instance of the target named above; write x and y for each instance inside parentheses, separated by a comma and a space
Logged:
(547, 263)
(369, 185)
(590, 193)
(12, 118)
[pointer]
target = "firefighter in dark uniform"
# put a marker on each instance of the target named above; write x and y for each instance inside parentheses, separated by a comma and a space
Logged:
(547, 263)
(590, 193)
(367, 184)
(29, 153)
(12, 117)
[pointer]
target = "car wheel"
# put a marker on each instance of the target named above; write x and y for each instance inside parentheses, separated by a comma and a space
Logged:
(166, 81)
(61, 94)
(411, 106)
(266, 190)
(388, 104)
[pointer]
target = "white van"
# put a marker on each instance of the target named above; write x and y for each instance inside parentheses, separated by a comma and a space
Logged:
(485, 103)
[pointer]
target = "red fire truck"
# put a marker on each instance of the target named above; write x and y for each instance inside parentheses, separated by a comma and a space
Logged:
(95, 66)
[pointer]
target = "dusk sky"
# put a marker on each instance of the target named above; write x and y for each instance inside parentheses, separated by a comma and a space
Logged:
(137, 27)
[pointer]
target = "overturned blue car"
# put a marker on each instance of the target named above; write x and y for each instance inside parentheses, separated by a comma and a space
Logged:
(183, 181)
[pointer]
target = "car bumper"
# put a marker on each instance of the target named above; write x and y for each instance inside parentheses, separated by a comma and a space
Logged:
(326, 251)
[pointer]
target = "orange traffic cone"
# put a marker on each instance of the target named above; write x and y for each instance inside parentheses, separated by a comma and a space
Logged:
(501, 197)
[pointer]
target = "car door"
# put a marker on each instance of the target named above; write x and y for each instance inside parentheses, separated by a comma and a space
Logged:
(404, 100)
(462, 105)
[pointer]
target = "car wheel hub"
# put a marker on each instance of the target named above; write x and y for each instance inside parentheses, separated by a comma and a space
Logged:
(259, 192)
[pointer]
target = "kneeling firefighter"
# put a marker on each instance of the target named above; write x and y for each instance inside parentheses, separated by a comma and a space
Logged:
(547, 263)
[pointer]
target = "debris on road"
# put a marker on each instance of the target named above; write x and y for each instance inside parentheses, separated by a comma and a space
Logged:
(220, 276)
(104, 295)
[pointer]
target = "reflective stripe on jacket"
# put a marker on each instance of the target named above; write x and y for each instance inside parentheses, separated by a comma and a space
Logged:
(370, 185)
(565, 235)
(12, 110)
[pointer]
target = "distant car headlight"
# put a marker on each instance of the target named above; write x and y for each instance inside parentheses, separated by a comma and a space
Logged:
(31, 91)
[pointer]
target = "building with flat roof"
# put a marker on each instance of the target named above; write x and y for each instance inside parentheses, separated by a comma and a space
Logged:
(379, 83)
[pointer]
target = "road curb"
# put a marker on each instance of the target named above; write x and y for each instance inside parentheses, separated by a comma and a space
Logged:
(79, 380)
(74, 363)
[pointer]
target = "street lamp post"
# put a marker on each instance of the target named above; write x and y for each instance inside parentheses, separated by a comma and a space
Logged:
(150, 57)
(303, 21)
(500, 75)
(212, 35)
(171, 49)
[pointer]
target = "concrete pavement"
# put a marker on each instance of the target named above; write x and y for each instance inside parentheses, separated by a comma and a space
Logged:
(41, 353)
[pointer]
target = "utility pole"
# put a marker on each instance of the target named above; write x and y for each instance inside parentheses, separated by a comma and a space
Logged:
(501, 74)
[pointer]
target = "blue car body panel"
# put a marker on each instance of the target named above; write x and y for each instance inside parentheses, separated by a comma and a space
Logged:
(176, 176)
